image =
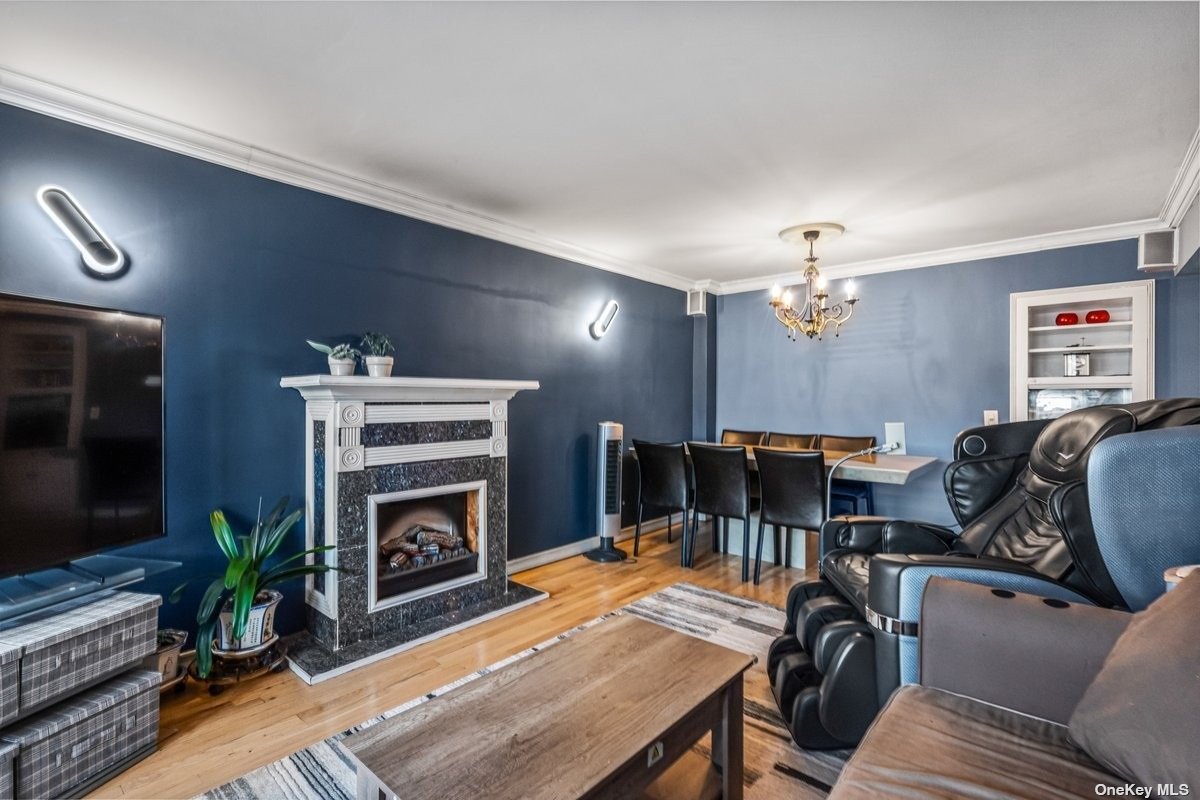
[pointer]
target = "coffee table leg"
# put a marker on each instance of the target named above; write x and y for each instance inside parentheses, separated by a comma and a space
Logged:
(369, 787)
(727, 742)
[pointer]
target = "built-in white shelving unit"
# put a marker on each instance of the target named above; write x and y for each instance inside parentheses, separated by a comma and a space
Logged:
(1120, 352)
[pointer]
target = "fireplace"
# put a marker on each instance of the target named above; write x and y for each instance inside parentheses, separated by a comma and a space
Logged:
(407, 490)
(425, 541)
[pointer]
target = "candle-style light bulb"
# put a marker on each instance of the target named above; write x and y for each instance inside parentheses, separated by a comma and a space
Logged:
(822, 282)
(776, 292)
(787, 297)
(851, 290)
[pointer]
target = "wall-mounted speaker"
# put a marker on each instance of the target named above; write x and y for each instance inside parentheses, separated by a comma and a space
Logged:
(1158, 251)
(696, 303)
(609, 442)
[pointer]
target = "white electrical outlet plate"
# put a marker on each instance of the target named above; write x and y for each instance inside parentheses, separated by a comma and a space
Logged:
(894, 432)
(991, 417)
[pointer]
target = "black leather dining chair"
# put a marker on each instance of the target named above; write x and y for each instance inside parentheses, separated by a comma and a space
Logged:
(793, 496)
(852, 492)
(723, 491)
(662, 483)
(793, 441)
(752, 438)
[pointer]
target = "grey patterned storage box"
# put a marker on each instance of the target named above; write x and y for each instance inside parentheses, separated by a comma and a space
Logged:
(8, 752)
(71, 743)
(10, 685)
(77, 643)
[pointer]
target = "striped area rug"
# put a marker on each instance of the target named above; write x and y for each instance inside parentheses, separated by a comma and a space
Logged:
(774, 767)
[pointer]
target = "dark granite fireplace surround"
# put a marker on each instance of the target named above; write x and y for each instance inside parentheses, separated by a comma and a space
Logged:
(354, 623)
(346, 446)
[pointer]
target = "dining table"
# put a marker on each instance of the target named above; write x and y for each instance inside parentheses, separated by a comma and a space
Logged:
(886, 468)
(894, 469)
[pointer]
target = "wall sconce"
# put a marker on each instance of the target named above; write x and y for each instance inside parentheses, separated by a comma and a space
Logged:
(103, 258)
(605, 320)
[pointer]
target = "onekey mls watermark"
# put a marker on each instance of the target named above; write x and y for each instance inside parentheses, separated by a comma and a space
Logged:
(1139, 790)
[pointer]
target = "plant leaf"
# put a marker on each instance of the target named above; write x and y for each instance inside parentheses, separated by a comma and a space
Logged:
(210, 604)
(275, 537)
(266, 527)
(293, 572)
(177, 593)
(204, 640)
(283, 564)
(234, 573)
(320, 348)
(243, 600)
(224, 535)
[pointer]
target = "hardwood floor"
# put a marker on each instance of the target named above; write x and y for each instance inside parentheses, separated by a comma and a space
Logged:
(206, 741)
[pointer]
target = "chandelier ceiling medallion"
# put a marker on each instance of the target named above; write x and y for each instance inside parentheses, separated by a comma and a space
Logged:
(814, 315)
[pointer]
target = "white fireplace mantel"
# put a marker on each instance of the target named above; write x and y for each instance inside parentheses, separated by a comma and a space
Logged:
(355, 423)
(403, 390)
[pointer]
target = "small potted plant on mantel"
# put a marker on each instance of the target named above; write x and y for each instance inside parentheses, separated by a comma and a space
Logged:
(379, 349)
(236, 615)
(342, 357)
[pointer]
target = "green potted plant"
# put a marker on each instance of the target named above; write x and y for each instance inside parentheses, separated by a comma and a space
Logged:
(342, 357)
(237, 611)
(379, 360)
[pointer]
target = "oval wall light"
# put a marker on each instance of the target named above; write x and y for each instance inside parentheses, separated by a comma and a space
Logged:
(605, 320)
(100, 255)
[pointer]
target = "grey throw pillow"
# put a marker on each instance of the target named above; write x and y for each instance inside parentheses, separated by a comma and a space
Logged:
(1140, 717)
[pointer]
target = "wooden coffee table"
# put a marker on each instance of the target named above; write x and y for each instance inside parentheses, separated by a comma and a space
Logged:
(602, 714)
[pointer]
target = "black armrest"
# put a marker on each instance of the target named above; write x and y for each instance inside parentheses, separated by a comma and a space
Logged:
(1013, 650)
(900, 536)
(883, 535)
(852, 532)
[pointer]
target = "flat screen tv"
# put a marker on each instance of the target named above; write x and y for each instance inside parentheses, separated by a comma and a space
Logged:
(81, 431)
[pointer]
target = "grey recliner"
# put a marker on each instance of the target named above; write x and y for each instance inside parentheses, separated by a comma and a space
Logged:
(1021, 493)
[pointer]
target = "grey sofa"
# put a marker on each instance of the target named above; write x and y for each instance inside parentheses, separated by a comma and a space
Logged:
(1001, 674)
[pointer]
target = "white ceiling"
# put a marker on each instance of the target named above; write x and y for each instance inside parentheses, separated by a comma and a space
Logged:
(678, 136)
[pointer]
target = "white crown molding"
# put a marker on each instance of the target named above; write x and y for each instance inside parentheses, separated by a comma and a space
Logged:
(952, 255)
(1185, 187)
(66, 104)
(56, 101)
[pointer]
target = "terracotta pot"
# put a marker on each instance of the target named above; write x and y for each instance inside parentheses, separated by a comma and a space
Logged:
(1067, 318)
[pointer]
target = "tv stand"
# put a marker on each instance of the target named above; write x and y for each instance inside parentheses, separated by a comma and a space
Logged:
(24, 594)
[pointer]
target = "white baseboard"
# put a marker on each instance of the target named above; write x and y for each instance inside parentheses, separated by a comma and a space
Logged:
(532, 560)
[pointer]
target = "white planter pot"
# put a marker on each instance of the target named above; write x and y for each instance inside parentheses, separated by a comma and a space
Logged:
(378, 366)
(341, 366)
(165, 659)
(259, 628)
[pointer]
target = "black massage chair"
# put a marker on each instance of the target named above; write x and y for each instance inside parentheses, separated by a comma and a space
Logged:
(1019, 491)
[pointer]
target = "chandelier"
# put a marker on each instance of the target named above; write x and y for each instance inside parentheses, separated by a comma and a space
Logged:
(814, 315)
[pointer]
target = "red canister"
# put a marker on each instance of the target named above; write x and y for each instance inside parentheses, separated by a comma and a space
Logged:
(1067, 318)
(1099, 315)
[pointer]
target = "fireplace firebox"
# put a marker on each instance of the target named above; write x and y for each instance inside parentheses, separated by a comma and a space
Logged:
(425, 541)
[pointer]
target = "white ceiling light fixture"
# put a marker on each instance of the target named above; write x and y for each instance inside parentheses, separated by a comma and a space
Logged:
(605, 320)
(100, 255)
(814, 316)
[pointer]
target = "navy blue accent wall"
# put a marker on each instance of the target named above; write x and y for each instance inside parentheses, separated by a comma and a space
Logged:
(244, 269)
(927, 347)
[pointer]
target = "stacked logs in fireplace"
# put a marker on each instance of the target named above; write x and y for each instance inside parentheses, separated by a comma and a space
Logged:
(421, 546)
